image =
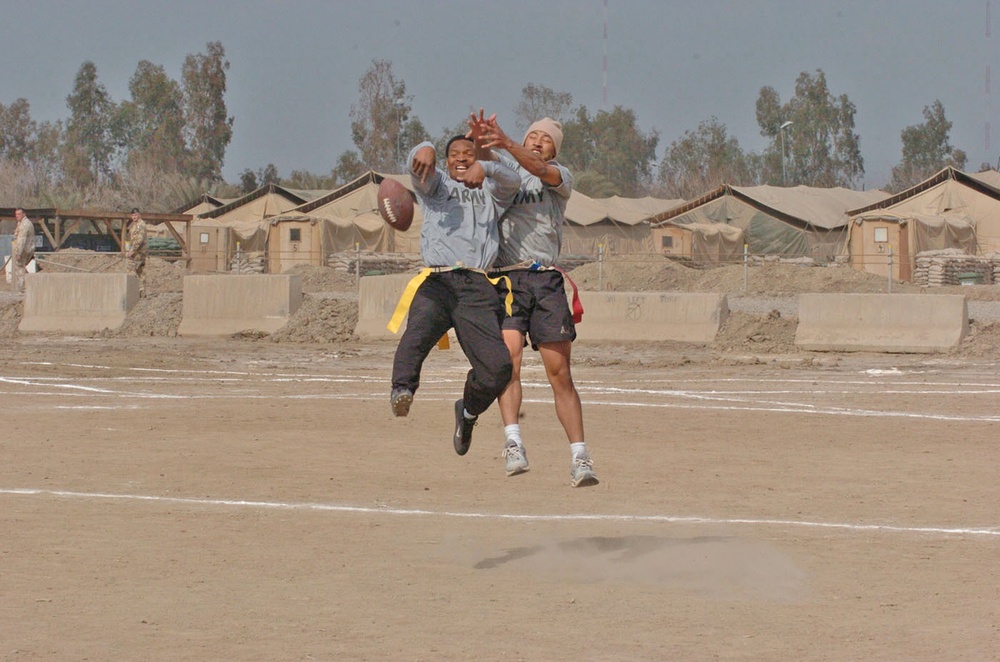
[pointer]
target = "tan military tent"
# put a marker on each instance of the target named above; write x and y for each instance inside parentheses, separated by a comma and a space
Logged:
(240, 226)
(350, 218)
(951, 193)
(618, 225)
(798, 221)
(704, 243)
(247, 216)
(203, 204)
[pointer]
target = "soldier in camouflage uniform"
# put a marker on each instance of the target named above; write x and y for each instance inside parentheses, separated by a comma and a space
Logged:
(22, 250)
(137, 249)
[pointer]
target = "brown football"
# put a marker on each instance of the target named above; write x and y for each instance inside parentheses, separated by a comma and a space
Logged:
(395, 204)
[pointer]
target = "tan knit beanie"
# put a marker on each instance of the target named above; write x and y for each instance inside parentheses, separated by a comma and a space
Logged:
(549, 126)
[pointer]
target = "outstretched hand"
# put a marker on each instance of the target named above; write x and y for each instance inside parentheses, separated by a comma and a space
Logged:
(474, 176)
(491, 135)
(477, 125)
(423, 163)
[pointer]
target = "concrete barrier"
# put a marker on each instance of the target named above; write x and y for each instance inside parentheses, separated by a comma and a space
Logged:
(608, 315)
(903, 323)
(226, 304)
(684, 317)
(77, 303)
(377, 299)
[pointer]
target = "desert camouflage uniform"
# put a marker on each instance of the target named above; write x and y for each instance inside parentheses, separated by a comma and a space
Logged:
(22, 252)
(138, 249)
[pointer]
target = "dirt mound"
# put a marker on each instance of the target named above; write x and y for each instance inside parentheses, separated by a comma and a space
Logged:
(772, 334)
(154, 315)
(10, 316)
(324, 279)
(320, 320)
(983, 340)
(160, 275)
(634, 275)
(638, 274)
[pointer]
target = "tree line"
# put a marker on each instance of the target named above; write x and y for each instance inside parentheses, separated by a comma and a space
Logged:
(166, 144)
(812, 141)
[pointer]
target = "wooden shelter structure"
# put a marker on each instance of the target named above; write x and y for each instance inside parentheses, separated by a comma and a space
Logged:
(105, 230)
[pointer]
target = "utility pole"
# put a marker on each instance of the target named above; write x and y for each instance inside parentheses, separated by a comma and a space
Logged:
(781, 130)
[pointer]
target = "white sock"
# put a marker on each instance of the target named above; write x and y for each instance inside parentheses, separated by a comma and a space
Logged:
(469, 416)
(513, 433)
(577, 448)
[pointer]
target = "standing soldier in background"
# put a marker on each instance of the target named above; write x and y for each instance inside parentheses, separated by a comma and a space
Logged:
(137, 248)
(22, 250)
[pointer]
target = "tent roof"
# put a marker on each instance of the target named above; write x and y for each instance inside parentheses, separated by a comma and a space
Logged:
(356, 203)
(580, 210)
(647, 204)
(296, 196)
(203, 202)
(584, 210)
(803, 206)
(988, 177)
(370, 177)
(984, 182)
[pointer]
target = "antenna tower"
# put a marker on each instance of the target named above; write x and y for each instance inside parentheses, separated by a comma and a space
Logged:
(989, 100)
(604, 91)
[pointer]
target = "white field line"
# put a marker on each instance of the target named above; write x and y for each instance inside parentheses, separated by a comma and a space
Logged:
(697, 400)
(415, 512)
(171, 375)
(709, 400)
(238, 375)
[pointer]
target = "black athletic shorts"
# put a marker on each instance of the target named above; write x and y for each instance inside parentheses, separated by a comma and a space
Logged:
(541, 308)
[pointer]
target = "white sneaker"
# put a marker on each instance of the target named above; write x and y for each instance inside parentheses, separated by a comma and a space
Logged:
(582, 471)
(517, 459)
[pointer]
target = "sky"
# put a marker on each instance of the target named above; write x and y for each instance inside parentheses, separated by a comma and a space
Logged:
(295, 64)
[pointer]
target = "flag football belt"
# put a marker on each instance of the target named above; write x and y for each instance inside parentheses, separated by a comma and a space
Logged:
(410, 291)
(577, 306)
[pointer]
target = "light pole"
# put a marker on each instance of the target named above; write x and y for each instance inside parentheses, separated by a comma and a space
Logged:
(781, 130)
(399, 131)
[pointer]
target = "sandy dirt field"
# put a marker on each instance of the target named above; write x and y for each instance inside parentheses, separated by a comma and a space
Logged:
(166, 498)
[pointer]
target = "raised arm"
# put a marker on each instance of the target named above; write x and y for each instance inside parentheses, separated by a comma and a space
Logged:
(506, 181)
(477, 128)
(494, 136)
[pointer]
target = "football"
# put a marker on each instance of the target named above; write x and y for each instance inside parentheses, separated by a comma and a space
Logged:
(395, 204)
